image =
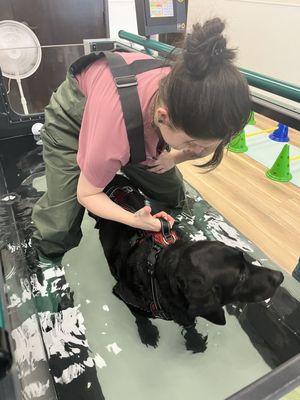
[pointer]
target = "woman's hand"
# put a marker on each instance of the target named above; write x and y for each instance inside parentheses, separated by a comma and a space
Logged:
(144, 220)
(163, 163)
(165, 216)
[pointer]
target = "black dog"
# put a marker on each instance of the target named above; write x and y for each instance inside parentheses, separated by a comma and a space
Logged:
(179, 281)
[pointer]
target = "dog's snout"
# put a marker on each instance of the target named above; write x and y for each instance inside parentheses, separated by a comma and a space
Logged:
(277, 278)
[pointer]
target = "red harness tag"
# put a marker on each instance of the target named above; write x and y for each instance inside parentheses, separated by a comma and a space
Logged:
(153, 309)
(162, 240)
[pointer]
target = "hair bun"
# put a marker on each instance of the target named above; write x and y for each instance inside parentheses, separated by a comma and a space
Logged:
(206, 47)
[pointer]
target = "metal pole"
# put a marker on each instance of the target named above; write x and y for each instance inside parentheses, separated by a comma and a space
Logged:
(272, 85)
(148, 43)
(266, 83)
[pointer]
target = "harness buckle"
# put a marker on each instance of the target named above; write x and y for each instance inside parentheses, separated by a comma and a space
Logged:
(150, 271)
(125, 81)
(171, 238)
(167, 235)
(151, 261)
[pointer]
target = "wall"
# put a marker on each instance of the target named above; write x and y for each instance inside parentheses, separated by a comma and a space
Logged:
(266, 32)
(53, 22)
(121, 16)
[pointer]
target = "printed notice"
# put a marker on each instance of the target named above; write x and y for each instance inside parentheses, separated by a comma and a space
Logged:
(161, 8)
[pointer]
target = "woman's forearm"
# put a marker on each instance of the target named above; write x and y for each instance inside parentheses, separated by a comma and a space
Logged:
(183, 155)
(98, 203)
(101, 205)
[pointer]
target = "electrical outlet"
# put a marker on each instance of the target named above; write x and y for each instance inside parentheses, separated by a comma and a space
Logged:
(92, 45)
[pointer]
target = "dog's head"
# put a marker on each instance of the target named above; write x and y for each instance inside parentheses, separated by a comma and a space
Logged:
(210, 275)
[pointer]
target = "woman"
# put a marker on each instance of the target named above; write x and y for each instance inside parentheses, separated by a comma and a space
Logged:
(195, 108)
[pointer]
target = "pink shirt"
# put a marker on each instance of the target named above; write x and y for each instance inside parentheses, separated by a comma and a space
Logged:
(103, 144)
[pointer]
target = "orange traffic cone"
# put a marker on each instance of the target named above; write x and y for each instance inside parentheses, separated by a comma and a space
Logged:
(280, 171)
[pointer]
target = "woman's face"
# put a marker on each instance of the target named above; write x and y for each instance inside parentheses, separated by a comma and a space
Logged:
(179, 140)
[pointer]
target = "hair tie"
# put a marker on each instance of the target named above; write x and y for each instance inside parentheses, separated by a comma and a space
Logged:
(218, 48)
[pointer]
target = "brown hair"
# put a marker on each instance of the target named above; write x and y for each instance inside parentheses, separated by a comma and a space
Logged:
(205, 94)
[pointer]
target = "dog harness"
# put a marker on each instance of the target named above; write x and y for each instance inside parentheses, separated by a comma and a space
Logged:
(124, 76)
(160, 240)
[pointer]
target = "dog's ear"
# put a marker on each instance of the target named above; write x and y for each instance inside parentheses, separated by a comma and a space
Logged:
(192, 286)
(216, 317)
(206, 303)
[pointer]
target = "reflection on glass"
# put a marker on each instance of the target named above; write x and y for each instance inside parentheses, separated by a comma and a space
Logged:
(36, 89)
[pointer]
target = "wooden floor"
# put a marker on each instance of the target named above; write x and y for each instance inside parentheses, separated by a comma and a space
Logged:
(266, 212)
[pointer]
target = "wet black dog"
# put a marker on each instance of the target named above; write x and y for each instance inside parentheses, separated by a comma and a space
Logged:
(191, 279)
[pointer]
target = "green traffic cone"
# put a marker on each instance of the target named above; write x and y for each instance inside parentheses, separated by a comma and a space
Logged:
(280, 171)
(251, 120)
(238, 143)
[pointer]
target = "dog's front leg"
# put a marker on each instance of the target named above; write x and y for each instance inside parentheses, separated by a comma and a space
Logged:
(194, 341)
(148, 332)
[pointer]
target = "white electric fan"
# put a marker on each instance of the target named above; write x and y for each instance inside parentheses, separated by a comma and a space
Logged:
(20, 53)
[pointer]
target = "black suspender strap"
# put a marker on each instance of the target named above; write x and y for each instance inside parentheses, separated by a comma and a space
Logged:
(126, 82)
(140, 66)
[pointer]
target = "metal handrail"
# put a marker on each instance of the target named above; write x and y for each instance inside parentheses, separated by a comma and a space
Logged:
(271, 85)
(148, 43)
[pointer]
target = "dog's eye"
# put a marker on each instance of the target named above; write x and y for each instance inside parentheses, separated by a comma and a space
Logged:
(241, 279)
(243, 275)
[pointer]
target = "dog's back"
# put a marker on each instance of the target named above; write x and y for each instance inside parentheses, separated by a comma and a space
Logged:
(114, 236)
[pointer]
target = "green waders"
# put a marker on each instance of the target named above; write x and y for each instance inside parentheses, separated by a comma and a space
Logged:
(58, 215)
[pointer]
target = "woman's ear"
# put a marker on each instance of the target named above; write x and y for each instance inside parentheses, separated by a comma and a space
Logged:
(162, 116)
